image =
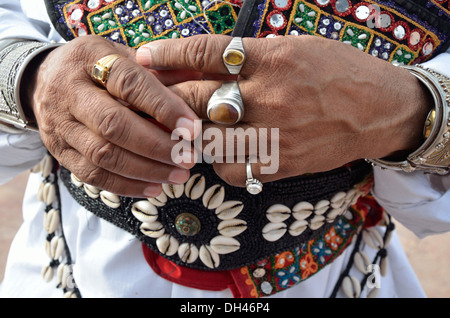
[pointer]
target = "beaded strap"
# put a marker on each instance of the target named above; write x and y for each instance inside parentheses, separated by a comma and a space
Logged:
(209, 225)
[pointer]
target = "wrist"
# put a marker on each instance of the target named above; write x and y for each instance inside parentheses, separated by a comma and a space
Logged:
(433, 154)
(417, 102)
(14, 76)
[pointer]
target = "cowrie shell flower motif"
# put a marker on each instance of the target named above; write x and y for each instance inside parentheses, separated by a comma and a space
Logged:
(188, 224)
(306, 215)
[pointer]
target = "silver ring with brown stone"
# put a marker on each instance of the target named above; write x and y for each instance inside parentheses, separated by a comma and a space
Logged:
(225, 106)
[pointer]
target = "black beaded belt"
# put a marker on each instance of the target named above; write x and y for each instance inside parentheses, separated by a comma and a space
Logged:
(207, 224)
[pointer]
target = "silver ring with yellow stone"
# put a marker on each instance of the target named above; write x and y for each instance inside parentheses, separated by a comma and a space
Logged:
(225, 106)
(234, 56)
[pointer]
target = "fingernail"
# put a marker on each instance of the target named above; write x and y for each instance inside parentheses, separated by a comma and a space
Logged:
(152, 191)
(143, 56)
(188, 159)
(183, 124)
(179, 176)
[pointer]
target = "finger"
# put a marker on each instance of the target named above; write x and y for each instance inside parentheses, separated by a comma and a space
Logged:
(202, 53)
(171, 77)
(98, 177)
(235, 174)
(116, 123)
(228, 144)
(133, 84)
(119, 161)
(198, 93)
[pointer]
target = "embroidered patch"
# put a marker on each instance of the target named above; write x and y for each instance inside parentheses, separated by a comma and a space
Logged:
(375, 27)
(284, 270)
(136, 22)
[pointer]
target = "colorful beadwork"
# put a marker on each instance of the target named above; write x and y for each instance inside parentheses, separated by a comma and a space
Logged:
(375, 27)
(136, 22)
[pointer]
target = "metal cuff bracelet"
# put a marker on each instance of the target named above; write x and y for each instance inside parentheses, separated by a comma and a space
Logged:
(14, 59)
(433, 155)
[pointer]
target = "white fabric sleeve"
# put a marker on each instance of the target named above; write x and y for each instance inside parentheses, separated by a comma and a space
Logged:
(421, 202)
(19, 152)
(15, 24)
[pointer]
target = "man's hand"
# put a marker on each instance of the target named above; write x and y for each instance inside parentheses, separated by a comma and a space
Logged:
(331, 102)
(93, 132)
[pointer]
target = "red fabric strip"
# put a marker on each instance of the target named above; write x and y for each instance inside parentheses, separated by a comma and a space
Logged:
(207, 280)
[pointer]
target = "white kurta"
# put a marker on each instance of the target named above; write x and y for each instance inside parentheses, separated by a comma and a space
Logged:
(108, 262)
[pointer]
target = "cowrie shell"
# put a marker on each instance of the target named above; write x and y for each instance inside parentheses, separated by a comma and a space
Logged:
(57, 247)
(173, 191)
(274, 231)
(144, 211)
(351, 287)
(278, 213)
(298, 227)
(231, 228)
(372, 238)
(46, 166)
(361, 261)
(188, 252)
(167, 244)
(209, 257)
(110, 199)
(40, 194)
(160, 200)
(303, 206)
(51, 221)
(229, 210)
(47, 273)
(338, 200)
(316, 222)
(302, 210)
(214, 196)
(75, 180)
(224, 245)
(332, 214)
(91, 191)
(153, 230)
(321, 207)
(195, 186)
(48, 193)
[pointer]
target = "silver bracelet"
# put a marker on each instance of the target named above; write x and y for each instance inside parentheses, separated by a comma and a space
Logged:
(14, 59)
(433, 155)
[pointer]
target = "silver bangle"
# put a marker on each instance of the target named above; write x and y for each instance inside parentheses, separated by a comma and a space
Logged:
(433, 155)
(14, 59)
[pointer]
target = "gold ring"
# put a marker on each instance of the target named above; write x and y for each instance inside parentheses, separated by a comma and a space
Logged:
(101, 69)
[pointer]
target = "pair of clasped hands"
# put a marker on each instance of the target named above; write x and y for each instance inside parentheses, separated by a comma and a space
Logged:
(331, 102)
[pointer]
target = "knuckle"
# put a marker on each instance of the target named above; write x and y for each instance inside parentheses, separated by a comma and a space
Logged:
(102, 154)
(159, 108)
(128, 82)
(111, 125)
(154, 149)
(94, 176)
(198, 52)
(230, 177)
